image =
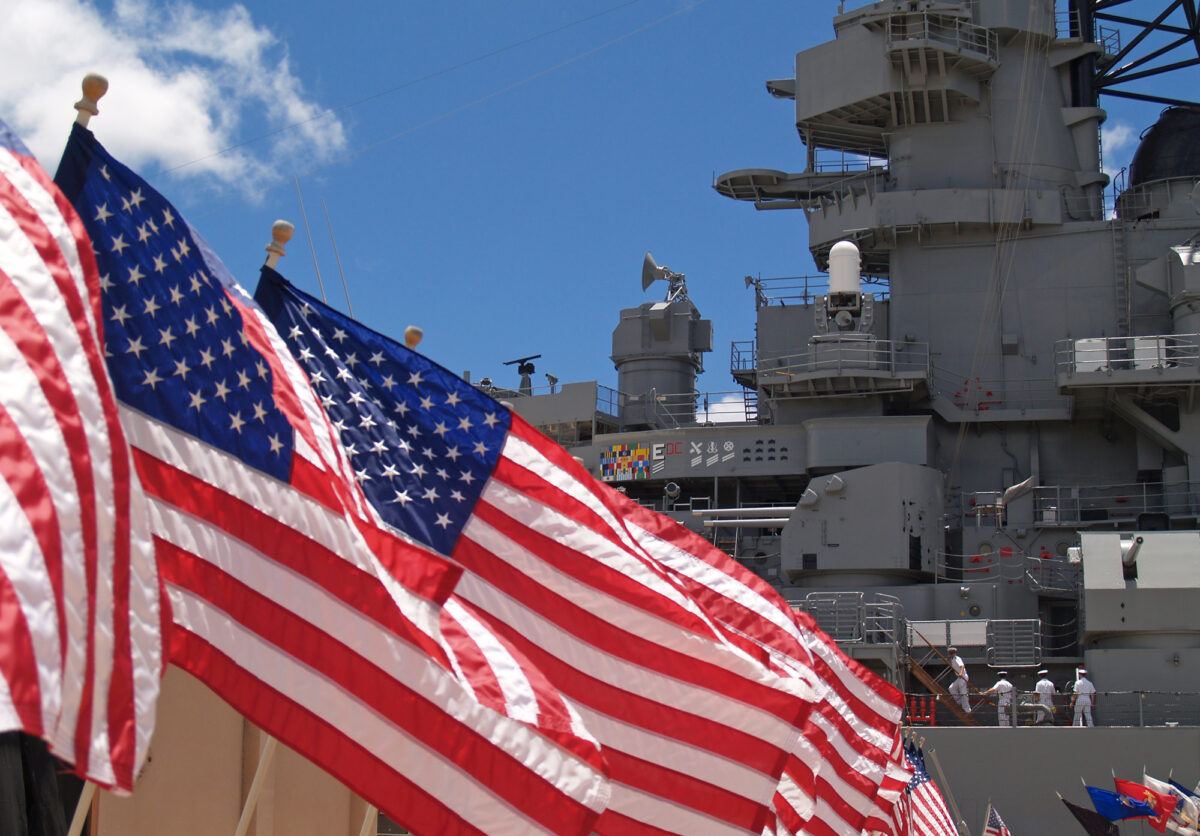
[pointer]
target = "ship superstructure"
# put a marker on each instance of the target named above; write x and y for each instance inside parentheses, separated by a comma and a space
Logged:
(980, 426)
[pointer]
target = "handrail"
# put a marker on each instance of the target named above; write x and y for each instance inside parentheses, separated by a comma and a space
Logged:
(1073, 504)
(894, 356)
(955, 33)
(805, 289)
(1148, 352)
(1138, 709)
(980, 395)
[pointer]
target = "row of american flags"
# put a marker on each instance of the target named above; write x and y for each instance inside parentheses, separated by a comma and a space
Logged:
(375, 562)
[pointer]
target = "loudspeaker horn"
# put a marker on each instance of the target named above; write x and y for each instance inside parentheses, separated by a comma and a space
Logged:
(651, 272)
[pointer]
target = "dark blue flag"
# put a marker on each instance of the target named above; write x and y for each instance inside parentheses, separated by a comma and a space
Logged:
(1114, 806)
(422, 441)
(175, 343)
(1183, 789)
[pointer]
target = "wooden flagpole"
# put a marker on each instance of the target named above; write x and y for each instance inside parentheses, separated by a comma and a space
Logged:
(94, 86)
(961, 822)
(370, 821)
(82, 808)
(260, 773)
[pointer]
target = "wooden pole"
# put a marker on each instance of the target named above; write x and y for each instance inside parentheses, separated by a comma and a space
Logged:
(82, 808)
(260, 774)
(370, 821)
(962, 823)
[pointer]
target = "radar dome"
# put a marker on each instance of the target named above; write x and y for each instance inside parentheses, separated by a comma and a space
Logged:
(844, 265)
(1169, 148)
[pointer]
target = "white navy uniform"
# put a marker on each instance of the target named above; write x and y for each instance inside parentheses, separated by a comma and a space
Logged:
(1084, 693)
(1004, 696)
(1046, 691)
(958, 688)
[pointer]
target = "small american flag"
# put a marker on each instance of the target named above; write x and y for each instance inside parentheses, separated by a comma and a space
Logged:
(695, 730)
(994, 825)
(927, 812)
(80, 637)
(280, 600)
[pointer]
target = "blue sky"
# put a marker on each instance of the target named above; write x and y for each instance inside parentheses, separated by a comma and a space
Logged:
(503, 206)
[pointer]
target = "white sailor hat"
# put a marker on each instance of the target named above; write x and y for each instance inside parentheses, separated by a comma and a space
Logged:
(1002, 674)
(1043, 672)
(1082, 672)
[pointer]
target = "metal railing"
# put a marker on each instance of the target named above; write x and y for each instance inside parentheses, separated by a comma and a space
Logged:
(804, 290)
(1138, 709)
(1134, 202)
(962, 633)
(1014, 642)
(609, 400)
(1076, 504)
(676, 409)
(1150, 352)
(844, 162)
(1067, 25)
(956, 34)
(1042, 571)
(981, 395)
(743, 355)
(893, 356)
(849, 618)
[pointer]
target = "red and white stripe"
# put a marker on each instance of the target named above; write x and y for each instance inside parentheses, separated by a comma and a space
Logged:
(846, 774)
(928, 815)
(696, 727)
(80, 639)
(284, 608)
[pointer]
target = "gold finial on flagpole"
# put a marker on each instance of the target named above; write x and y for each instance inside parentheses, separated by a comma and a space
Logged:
(281, 233)
(94, 87)
(413, 336)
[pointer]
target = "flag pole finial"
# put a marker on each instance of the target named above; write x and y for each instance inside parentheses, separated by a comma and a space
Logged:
(413, 335)
(94, 87)
(281, 233)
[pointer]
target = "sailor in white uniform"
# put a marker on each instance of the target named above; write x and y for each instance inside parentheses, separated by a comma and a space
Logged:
(1003, 689)
(1085, 695)
(958, 688)
(1046, 691)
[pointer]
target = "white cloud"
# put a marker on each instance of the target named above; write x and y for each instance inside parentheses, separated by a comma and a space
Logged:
(1117, 142)
(185, 82)
(722, 408)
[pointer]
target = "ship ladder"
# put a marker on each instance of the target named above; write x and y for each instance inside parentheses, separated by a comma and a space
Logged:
(1121, 277)
(938, 690)
(750, 404)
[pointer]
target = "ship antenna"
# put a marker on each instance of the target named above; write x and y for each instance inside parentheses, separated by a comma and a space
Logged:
(308, 235)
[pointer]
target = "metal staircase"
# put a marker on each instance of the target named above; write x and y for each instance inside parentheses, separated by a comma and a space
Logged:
(943, 696)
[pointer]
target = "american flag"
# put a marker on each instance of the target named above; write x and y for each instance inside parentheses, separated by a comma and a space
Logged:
(927, 813)
(994, 825)
(80, 638)
(695, 725)
(281, 602)
(846, 774)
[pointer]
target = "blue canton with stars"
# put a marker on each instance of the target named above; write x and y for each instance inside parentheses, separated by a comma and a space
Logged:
(916, 762)
(422, 441)
(174, 342)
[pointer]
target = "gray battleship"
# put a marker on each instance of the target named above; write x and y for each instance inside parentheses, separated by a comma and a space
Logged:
(980, 427)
